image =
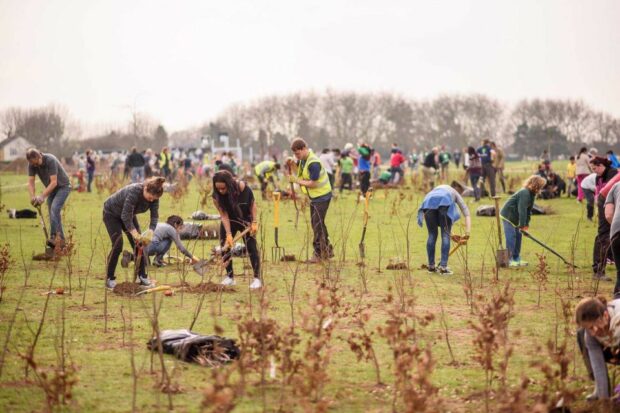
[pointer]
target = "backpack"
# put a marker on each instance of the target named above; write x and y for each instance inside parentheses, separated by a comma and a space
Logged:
(187, 346)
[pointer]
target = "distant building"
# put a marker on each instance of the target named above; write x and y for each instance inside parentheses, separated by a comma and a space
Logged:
(13, 148)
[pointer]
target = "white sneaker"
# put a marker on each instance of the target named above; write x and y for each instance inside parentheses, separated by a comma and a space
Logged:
(228, 281)
(256, 284)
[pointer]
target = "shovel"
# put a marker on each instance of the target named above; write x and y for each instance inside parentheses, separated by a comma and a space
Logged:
(154, 289)
(202, 266)
(48, 250)
(548, 248)
(293, 195)
(502, 255)
(362, 247)
(277, 251)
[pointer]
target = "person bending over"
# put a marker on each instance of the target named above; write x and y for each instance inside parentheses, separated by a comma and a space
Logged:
(439, 211)
(598, 337)
(516, 214)
(235, 201)
(119, 216)
(57, 188)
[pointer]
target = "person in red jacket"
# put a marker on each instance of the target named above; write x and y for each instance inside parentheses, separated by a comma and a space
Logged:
(396, 161)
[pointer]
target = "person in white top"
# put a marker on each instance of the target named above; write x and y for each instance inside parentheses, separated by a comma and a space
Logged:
(328, 162)
(588, 187)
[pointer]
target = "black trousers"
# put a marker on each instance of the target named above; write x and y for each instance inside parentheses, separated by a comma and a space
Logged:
(601, 243)
(116, 228)
(589, 203)
(364, 181)
(346, 180)
(615, 249)
(488, 173)
(250, 244)
(322, 246)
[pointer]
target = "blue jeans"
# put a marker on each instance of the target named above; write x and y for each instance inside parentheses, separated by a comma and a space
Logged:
(91, 175)
(158, 248)
(55, 202)
(137, 174)
(438, 218)
(513, 240)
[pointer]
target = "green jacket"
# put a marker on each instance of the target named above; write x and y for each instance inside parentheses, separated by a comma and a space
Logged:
(518, 208)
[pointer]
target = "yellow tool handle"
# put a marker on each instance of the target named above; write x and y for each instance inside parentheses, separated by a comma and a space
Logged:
(276, 209)
(366, 202)
(153, 290)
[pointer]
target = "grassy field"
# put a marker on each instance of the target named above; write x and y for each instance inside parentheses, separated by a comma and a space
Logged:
(439, 365)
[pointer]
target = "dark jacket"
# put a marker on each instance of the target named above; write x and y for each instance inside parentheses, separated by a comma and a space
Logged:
(135, 160)
(518, 208)
(129, 201)
(429, 161)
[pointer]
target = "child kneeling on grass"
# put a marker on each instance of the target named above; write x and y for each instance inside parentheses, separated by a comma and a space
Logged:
(516, 214)
(163, 237)
(598, 337)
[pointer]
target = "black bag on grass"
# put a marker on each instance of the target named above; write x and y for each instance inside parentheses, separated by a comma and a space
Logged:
(193, 348)
(485, 211)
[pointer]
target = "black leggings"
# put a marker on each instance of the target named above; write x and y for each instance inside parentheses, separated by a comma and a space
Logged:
(250, 244)
(615, 249)
(346, 180)
(115, 229)
(364, 181)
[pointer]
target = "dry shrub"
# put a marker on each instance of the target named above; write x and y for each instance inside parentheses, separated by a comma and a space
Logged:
(57, 382)
(204, 190)
(360, 343)
(540, 274)
(219, 394)
(109, 183)
(5, 263)
(555, 394)
(413, 363)
(492, 336)
(318, 321)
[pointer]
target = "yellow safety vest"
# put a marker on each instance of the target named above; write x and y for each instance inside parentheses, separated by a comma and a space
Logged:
(265, 168)
(323, 187)
(162, 160)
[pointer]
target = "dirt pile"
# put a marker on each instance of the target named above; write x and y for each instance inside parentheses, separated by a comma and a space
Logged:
(127, 289)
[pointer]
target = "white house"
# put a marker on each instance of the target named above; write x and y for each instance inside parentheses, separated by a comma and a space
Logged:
(13, 148)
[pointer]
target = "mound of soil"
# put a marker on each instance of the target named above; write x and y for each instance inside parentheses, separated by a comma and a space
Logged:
(288, 257)
(210, 287)
(45, 257)
(127, 289)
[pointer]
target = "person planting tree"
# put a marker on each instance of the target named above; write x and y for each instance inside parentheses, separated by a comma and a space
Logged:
(57, 188)
(313, 180)
(235, 201)
(264, 171)
(604, 174)
(439, 211)
(164, 235)
(598, 337)
(119, 216)
(516, 214)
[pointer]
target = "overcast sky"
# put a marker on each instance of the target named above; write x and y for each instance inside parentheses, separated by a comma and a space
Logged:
(185, 61)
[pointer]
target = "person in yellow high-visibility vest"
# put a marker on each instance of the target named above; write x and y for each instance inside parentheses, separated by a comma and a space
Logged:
(264, 172)
(165, 164)
(309, 174)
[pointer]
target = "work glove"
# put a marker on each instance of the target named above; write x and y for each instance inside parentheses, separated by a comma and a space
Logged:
(229, 241)
(524, 229)
(136, 236)
(37, 200)
(147, 237)
(254, 228)
(293, 179)
(195, 259)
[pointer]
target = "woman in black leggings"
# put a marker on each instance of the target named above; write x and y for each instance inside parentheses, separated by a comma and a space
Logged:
(235, 202)
(119, 215)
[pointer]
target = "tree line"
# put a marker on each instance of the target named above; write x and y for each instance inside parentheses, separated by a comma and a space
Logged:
(334, 118)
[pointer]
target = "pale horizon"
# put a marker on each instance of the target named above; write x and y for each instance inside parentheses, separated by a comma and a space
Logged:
(184, 63)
